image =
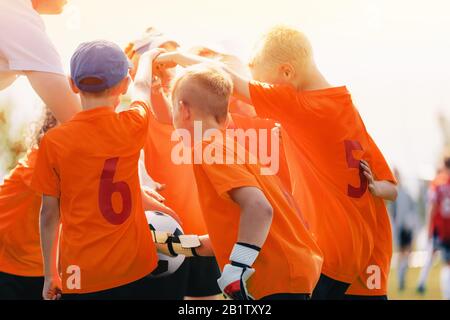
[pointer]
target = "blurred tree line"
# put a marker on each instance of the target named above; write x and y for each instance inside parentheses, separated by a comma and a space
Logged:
(12, 148)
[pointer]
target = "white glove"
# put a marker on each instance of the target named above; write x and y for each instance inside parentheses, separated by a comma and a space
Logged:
(233, 281)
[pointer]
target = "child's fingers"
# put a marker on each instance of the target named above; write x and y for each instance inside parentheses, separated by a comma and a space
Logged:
(369, 177)
(366, 168)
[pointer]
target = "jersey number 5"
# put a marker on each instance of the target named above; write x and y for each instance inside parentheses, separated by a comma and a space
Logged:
(108, 188)
(355, 192)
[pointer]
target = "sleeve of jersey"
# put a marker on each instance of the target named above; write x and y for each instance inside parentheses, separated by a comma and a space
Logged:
(30, 161)
(29, 49)
(45, 178)
(137, 119)
(379, 165)
(226, 177)
(272, 101)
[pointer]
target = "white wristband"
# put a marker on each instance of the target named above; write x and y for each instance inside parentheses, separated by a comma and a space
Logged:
(244, 255)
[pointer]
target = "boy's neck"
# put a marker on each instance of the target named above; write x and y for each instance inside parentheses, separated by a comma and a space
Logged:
(314, 80)
(92, 103)
(211, 124)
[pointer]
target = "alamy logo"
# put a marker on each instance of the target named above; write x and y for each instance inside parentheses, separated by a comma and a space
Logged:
(252, 147)
(374, 278)
(73, 281)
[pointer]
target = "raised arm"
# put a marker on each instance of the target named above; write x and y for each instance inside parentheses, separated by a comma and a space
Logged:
(241, 83)
(142, 90)
(54, 90)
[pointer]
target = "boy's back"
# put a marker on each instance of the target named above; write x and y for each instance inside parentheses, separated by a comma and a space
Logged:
(87, 171)
(290, 261)
(94, 156)
(327, 141)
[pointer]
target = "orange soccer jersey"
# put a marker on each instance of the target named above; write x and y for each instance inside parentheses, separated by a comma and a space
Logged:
(373, 280)
(20, 250)
(290, 261)
(91, 164)
(240, 122)
(327, 140)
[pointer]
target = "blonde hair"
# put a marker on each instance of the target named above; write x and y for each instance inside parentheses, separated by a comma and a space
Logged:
(205, 87)
(283, 44)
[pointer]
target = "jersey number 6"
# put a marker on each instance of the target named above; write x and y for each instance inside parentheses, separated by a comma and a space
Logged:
(355, 192)
(107, 189)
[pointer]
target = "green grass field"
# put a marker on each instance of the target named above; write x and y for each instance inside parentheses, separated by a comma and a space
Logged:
(433, 289)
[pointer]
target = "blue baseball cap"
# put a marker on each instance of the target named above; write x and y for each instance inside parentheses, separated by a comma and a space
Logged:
(101, 60)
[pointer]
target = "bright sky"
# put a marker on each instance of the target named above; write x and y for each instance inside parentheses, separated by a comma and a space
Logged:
(393, 55)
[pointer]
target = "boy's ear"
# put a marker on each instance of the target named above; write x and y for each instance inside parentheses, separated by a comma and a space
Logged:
(185, 111)
(125, 85)
(73, 86)
(287, 71)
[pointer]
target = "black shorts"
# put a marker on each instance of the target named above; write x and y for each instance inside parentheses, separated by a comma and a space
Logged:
(405, 238)
(445, 251)
(132, 291)
(365, 298)
(196, 277)
(14, 287)
(329, 289)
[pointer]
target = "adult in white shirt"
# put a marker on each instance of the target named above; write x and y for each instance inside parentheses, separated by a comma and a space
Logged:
(25, 49)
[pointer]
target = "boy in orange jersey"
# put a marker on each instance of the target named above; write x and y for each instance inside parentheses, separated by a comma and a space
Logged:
(327, 142)
(21, 270)
(197, 277)
(259, 239)
(87, 171)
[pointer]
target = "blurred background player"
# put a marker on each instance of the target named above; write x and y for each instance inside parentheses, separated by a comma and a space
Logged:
(197, 277)
(405, 221)
(441, 207)
(25, 49)
(21, 269)
(254, 230)
(433, 222)
(87, 171)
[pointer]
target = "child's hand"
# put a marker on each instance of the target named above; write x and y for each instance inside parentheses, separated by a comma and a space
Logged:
(373, 186)
(52, 289)
(153, 194)
(168, 59)
(205, 250)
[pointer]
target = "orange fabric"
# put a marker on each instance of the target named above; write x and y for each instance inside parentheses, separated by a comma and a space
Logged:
(290, 261)
(382, 252)
(241, 108)
(20, 250)
(180, 192)
(91, 164)
(326, 141)
(240, 122)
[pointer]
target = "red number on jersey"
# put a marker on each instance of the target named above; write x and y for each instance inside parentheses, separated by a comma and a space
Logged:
(107, 188)
(355, 192)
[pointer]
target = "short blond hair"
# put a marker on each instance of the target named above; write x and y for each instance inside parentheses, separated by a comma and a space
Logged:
(283, 44)
(205, 87)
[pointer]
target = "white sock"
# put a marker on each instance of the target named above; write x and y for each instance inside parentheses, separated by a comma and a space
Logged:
(445, 282)
(427, 266)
